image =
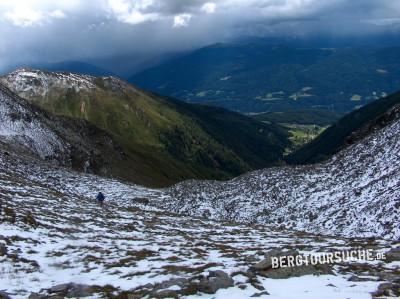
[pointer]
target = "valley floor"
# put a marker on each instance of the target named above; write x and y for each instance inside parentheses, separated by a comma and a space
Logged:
(56, 241)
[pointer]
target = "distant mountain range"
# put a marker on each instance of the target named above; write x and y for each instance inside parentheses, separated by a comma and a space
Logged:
(77, 67)
(256, 76)
(160, 141)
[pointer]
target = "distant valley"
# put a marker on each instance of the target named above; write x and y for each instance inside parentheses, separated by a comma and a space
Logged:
(257, 76)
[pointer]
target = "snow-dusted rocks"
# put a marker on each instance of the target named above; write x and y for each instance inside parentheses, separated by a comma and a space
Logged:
(356, 193)
(24, 128)
(36, 84)
(132, 248)
(27, 82)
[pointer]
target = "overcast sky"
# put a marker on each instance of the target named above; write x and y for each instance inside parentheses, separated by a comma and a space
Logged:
(48, 30)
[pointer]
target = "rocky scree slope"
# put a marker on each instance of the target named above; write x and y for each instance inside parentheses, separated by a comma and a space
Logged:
(67, 142)
(355, 193)
(56, 242)
(168, 140)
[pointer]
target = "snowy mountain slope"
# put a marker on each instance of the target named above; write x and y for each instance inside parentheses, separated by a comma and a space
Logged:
(64, 141)
(21, 125)
(56, 241)
(356, 193)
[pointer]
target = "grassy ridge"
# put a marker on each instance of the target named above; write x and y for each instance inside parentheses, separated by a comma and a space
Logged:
(165, 140)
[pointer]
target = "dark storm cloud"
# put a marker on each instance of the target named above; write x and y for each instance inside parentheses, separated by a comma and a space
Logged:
(44, 30)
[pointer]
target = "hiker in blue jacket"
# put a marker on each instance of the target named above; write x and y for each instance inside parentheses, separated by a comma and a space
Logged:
(100, 198)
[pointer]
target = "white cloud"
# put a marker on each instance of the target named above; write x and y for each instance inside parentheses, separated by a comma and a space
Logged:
(209, 7)
(57, 14)
(135, 17)
(24, 16)
(26, 13)
(133, 12)
(181, 20)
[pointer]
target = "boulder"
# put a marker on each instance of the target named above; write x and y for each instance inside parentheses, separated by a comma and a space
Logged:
(166, 294)
(387, 289)
(30, 220)
(267, 262)
(141, 200)
(60, 288)
(36, 296)
(72, 290)
(356, 278)
(393, 255)
(4, 295)
(256, 295)
(264, 267)
(80, 290)
(181, 282)
(216, 280)
(282, 273)
(172, 288)
(3, 249)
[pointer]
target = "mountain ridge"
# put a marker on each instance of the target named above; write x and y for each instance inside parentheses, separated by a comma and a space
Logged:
(167, 138)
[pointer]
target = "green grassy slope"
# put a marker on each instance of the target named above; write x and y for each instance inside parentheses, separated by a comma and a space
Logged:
(339, 134)
(164, 140)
